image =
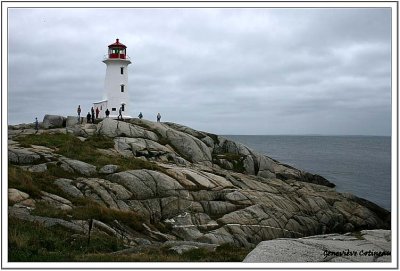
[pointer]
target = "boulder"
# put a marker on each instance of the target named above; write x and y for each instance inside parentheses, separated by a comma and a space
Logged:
(145, 183)
(229, 146)
(14, 195)
(140, 147)
(82, 131)
(204, 137)
(181, 140)
(158, 235)
(114, 128)
(72, 121)
(189, 147)
(28, 203)
(53, 121)
(264, 164)
(38, 168)
(22, 156)
(56, 201)
(109, 193)
(67, 186)
(369, 246)
(78, 166)
(182, 248)
(23, 214)
(108, 169)
(23, 126)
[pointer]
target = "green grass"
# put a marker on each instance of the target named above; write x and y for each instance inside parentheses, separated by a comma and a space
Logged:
(32, 242)
(70, 146)
(223, 253)
(22, 180)
(99, 141)
(47, 140)
(86, 209)
(34, 182)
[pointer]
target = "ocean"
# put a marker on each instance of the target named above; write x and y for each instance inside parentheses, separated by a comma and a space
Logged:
(360, 165)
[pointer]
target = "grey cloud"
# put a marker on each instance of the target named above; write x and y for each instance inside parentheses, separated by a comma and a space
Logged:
(239, 71)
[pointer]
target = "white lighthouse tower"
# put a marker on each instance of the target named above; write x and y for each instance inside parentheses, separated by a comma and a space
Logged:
(116, 93)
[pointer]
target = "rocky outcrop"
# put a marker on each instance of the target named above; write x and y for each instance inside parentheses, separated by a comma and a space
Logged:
(366, 246)
(141, 147)
(53, 121)
(15, 196)
(112, 128)
(24, 214)
(22, 156)
(38, 168)
(72, 121)
(72, 165)
(56, 201)
(108, 169)
(185, 145)
(66, 186)
(219, 207)
(197, 187)
(84, 130)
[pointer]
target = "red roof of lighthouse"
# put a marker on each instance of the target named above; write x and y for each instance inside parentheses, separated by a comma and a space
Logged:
(117, 44)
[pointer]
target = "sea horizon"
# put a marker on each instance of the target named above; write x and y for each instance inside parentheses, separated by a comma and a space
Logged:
(348, 135)
(359, 164)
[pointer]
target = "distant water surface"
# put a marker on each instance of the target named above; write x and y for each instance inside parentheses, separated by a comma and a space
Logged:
(357, 164)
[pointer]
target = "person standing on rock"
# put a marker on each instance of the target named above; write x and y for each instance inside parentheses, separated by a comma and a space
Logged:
(107, 113)
(92, 114)
(36, 125)
(140, 115)
(88, 117)
(97, 112)
(158, 117)
(79, 112)
(120, 113)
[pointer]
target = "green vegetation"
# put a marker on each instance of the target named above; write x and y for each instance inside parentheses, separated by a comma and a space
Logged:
(32, 242)
(87, 151)
(88, 209)
(22, 180)
(34, 182)
(223, 253)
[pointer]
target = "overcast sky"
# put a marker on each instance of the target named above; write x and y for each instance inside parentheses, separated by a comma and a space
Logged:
(226, 71)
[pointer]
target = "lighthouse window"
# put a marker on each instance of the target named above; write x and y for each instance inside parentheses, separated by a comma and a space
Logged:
(122, 88)
(113, 109)
(123, 107)
(122, 70)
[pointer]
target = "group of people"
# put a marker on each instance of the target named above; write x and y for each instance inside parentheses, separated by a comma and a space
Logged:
(90, 117)
(158, 116)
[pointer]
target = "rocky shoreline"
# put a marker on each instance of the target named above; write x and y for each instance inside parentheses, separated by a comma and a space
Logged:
(197, 187)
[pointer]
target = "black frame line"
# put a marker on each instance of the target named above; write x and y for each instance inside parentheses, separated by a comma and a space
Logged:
(186, 2)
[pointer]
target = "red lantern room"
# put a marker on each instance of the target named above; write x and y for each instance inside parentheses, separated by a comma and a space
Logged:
(117, 50)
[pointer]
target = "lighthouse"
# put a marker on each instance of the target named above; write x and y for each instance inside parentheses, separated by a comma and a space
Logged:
(116, 95)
